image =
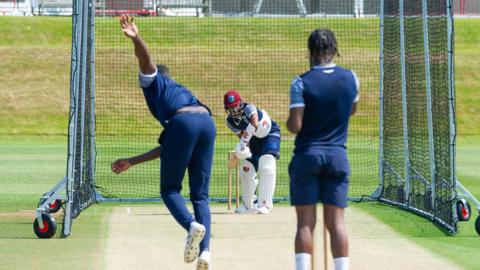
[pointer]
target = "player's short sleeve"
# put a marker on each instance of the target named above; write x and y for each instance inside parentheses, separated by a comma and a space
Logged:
(296, 93)
(234, 129)
(357, 87)
(250, 109)
(145, 80)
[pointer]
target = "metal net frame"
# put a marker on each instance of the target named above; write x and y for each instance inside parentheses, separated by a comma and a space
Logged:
(417, 113)
(401, 148)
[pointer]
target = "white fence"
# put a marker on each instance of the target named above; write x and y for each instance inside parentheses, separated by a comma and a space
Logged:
(15, 8)
(175, 7)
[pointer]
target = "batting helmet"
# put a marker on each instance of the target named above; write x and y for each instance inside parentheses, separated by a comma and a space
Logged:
(231, 98)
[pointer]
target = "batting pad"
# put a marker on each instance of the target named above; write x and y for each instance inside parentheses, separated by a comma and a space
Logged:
(248, 178)
(267, 175)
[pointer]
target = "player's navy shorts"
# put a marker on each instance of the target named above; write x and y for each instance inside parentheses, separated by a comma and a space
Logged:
(269, 145)
(319, 176)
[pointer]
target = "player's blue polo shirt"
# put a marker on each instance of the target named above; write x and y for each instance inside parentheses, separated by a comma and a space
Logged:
(164, 96)
(319, 169)
(327, 93)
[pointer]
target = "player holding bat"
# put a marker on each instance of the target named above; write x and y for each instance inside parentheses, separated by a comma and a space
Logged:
(257, 150)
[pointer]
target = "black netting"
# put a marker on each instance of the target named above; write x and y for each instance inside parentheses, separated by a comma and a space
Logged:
(443, 111)
(393, 149)
(430, 195)
(82, 119)
(257, 47)
(257, 54)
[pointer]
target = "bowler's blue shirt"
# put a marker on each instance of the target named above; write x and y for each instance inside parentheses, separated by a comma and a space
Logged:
(164, 96)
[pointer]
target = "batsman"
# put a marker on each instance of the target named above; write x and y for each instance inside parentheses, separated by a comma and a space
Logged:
(257, 152)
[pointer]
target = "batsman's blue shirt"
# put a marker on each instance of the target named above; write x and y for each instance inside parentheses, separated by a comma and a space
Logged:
(327, 92)
(164, 96)
(259, 146)
(240, 124)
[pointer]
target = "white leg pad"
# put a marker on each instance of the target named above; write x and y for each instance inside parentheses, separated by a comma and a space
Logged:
(267, 175)
(248, 178)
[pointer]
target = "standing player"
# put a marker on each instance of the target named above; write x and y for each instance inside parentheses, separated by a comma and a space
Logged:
(186, 142)
(322, 100)
(258, 148)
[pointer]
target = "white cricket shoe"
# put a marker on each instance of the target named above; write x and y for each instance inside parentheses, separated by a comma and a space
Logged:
(264, 210)
(195, 236)
(242, 209)
(204, 261)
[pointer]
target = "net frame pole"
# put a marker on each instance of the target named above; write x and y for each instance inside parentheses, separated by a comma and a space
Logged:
(451, 101)
(79, 115)
(84, 87)
(380, 107)
(431, 148)
(72, 128)
(404, 103)
(92, 93)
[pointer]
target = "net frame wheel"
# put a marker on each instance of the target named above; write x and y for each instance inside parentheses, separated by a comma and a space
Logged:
(49, 227)
(477, 225)
(55, 206)
(464, 210)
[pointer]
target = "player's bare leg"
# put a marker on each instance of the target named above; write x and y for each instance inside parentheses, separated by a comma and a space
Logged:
(306, 220)
(335, 222)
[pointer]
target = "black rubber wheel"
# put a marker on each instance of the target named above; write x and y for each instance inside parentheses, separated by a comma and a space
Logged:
(464, 211)
(477, 225)
(54, 206)
(49, 227)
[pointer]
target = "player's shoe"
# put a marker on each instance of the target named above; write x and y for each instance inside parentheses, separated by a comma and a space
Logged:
(204, 261)
(195, 236)
(242, 209)
(264, 210)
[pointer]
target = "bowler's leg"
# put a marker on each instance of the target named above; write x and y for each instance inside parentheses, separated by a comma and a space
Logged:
(199, 170)
(176, 152)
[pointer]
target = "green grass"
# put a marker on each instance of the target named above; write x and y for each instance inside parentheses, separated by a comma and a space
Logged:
(466, 79)
(34, 99)
(36, 31)
(37, 49)
(462, 248)
(20, 249)
(29, 167)
(143, 181)
(32, 165)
